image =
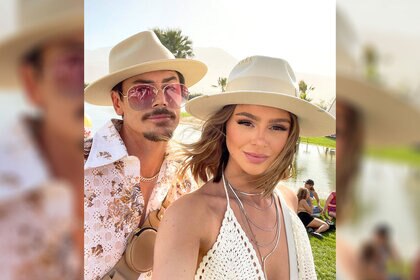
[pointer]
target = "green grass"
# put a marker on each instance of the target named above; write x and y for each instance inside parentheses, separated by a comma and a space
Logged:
(185, 114)
(321, 141)
(402, 155)
(324, 254)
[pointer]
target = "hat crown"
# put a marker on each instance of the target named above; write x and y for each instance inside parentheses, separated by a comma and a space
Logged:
(138, 49)
(36, 12)
(262, 73)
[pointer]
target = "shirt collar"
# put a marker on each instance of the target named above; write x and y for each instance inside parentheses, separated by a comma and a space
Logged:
(22, 167)
(107, 145)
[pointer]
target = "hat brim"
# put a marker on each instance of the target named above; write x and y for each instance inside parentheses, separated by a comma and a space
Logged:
(388, 119)
(99, 92)
(313, 121)
(13, 48)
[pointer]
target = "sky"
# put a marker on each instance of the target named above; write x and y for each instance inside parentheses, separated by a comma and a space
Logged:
(7, 19)
(393, 29)
(388, 16)
(300, 31)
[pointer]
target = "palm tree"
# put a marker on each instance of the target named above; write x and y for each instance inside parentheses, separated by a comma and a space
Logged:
(221, 83)
(371, 63)
(179, 45)
(304, 91)
(322, 104)
(194, 95)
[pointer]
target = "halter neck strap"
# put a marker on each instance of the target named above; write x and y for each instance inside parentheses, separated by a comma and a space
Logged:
(226, 191)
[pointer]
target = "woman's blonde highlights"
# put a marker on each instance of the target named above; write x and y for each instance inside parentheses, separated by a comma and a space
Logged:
(209, 155)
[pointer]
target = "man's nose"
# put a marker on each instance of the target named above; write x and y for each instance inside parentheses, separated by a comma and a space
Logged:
(160, 99)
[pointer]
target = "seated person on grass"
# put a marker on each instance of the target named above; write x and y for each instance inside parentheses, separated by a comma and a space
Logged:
(330, 205)
(305, 215)
(316, 210)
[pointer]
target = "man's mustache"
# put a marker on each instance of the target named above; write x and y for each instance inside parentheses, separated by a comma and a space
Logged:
(159, 111)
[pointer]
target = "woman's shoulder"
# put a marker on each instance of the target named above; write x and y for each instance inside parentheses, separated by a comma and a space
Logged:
(196, 205)
(289, 197)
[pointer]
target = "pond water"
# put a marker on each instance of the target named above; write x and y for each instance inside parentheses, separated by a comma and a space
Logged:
(387, 193)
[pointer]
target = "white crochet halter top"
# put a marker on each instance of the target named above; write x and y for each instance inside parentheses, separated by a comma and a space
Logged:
(233, 257)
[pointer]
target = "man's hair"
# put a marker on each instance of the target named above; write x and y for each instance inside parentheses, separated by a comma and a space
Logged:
(382, 230)
(33, 58)
(309, 182)
(118, 87)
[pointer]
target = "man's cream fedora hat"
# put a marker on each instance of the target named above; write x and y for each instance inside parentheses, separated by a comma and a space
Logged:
(37, 22)
(138, 54)
(266, 81)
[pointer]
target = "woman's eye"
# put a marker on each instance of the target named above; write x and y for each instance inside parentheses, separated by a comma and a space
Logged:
(245, 123)
(279, 128)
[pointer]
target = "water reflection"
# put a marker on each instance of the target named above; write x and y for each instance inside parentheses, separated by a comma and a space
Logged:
(387, 193)
(316, 163)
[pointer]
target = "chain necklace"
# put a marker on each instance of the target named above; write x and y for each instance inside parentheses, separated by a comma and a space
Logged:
(260, 208)
(247, 193)
(252, 194)
(249, 219)
(148, 179)
(277, 235)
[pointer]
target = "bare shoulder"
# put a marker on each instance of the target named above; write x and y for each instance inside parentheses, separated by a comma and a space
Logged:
(184, 207)
(289, 196)
(193, 208)
(181, 235)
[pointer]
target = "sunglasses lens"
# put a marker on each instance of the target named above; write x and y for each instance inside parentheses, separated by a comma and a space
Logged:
(176, 95)
(140, 96)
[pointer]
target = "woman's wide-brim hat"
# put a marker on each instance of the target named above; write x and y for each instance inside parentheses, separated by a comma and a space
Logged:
(265, 81)
(38, 22)
(388, 119)
(138, 54)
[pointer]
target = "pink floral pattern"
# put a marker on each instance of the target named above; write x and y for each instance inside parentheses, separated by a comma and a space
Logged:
(36, 214)
(113, 199)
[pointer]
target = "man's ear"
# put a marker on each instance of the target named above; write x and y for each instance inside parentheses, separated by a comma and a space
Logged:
(30, 81)
(117, 103)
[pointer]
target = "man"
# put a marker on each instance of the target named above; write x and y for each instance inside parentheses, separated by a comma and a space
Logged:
(309, 184)
(40, 157)
(128, 170)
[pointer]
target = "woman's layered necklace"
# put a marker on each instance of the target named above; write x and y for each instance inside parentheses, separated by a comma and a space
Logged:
(252, 225)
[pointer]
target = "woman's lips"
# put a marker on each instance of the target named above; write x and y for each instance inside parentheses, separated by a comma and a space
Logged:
(255, 158)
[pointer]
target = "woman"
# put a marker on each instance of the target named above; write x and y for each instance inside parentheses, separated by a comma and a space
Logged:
(305, 214)
(331, 206)
(237, 225)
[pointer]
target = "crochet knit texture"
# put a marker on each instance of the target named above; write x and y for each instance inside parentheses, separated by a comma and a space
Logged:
(233, 257)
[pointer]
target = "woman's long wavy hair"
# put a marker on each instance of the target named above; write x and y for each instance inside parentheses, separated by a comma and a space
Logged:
(207, 157)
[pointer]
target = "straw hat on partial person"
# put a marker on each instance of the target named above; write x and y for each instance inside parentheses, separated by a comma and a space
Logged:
(138, 54)
(265, 81)
(38, 21)
(388, 120)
